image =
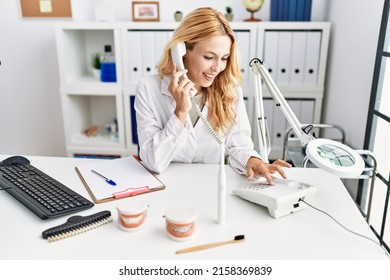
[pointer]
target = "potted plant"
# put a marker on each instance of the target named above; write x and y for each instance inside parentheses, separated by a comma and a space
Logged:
(229, 13)
(96, 64)
(178, 15)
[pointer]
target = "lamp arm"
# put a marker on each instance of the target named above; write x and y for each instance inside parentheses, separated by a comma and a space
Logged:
(261, 71)
(261, 121)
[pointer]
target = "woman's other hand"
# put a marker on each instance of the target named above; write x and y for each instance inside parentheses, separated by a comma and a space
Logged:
(256, 166)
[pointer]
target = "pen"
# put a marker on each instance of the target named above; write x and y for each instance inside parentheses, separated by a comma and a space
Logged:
(109, 181)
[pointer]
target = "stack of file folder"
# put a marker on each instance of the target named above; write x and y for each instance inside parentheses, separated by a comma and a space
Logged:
(291, 10)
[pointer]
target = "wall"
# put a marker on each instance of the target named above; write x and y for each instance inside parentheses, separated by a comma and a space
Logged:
(30, 101)
(30, 112)
(353, 43)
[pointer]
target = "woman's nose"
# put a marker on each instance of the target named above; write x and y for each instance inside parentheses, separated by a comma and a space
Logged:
(216, 66)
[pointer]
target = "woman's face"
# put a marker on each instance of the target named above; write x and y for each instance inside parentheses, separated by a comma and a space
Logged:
(207, 60)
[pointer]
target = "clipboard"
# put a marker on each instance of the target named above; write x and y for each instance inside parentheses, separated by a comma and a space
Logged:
(131, 178)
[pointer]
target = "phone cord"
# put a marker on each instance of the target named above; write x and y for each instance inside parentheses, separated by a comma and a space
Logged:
(215, 135)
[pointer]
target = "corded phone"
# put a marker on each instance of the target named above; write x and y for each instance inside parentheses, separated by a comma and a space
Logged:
(283, 197)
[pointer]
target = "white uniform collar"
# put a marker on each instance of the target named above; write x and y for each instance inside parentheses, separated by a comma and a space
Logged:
(164, 85)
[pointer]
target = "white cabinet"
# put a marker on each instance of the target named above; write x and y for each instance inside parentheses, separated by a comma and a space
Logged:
(107, 107)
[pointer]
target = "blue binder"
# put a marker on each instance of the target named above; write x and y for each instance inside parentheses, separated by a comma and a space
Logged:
(134, 134)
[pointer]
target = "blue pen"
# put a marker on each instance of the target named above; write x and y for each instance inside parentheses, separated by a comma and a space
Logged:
(109, 181)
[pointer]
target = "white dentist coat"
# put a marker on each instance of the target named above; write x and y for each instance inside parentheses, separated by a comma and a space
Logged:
(163, 139)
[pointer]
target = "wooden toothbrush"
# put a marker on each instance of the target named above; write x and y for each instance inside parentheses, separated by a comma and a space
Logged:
(237, 238)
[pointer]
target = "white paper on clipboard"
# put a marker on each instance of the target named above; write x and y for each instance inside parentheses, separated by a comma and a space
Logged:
(126, 172)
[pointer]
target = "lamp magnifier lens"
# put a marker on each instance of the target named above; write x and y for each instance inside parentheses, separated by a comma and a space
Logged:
(335, 155)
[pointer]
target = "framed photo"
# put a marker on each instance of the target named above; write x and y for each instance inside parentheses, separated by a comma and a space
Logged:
(145, 11)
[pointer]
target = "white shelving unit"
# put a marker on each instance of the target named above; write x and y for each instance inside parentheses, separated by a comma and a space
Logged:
(86, 101)
(138, 46)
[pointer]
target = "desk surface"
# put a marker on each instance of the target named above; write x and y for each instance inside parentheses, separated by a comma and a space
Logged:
(307, 234)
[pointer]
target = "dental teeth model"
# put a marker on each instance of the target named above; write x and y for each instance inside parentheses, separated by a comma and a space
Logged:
(132, 217)
(180, 223)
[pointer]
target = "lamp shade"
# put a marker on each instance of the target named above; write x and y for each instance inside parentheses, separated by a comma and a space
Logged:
(335, 157)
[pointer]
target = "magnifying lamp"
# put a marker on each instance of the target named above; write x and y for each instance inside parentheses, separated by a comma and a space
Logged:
(332, 156)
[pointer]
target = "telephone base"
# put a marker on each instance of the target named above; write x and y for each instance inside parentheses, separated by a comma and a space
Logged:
(281, 199)
(288, 208)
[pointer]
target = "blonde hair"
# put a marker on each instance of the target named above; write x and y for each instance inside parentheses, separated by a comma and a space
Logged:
(200, 25)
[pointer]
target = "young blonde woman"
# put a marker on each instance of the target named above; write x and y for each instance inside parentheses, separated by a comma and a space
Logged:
(169, 129)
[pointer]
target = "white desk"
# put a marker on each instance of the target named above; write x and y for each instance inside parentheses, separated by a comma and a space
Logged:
(307, 234)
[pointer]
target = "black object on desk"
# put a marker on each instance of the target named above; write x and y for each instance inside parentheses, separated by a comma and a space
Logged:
(76, 225)
(43, 195)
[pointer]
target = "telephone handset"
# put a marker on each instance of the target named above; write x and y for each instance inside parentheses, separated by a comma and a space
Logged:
(177, 52)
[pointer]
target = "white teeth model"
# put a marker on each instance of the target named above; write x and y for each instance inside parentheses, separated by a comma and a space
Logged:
(132, 221)
(181, 229)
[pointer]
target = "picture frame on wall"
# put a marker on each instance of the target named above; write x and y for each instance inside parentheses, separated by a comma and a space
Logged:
(145, 11)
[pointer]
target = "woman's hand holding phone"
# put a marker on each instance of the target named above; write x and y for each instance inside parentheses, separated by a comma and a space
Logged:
(180, 87)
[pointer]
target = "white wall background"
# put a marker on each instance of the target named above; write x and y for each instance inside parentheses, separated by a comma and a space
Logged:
(354, 40)
(30, 109)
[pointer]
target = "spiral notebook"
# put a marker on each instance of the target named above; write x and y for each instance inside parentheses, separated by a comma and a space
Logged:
(107, 180)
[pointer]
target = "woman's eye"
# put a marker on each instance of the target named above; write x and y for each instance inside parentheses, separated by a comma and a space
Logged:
(208, 57)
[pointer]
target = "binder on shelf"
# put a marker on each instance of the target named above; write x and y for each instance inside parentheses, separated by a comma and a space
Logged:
(284, 58)
(292, 10)
(298, 45)
(307, 10)
(147, 52)
(270, 55)
(274, 10)
(243, 39)
(313, 45)
(135, 56)
(130, 176)
(284, 6)
(160, 40)
(300, 10)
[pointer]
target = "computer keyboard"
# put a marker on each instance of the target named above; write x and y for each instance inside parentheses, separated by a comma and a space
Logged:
(43, 195)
